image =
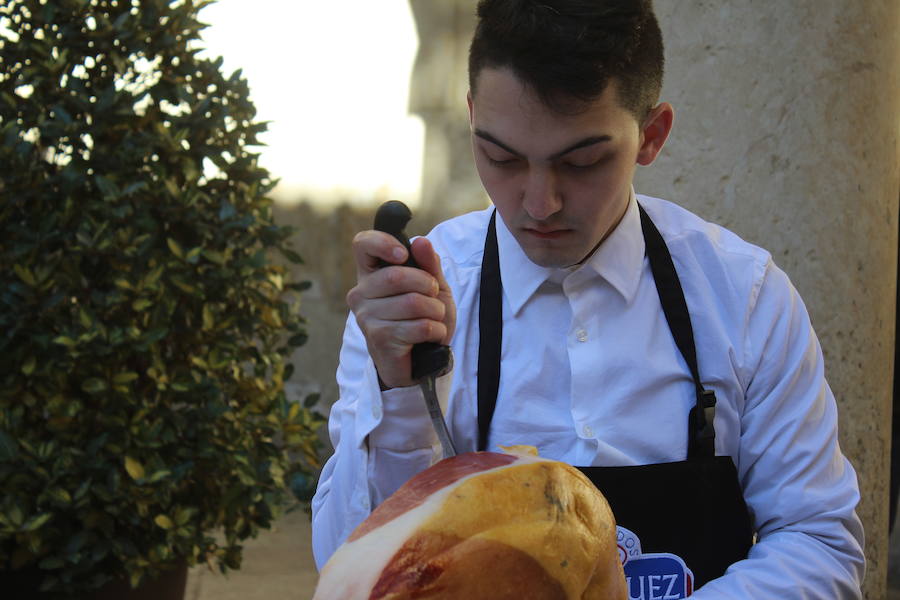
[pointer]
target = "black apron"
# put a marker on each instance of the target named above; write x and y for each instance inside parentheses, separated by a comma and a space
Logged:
(693, 509)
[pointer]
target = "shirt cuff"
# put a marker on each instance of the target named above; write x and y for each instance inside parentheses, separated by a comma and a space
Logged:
(403, 421)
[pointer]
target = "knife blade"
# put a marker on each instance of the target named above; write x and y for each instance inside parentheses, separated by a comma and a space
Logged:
(429, 359)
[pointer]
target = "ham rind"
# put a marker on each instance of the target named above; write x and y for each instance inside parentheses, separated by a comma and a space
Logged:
(483, 525)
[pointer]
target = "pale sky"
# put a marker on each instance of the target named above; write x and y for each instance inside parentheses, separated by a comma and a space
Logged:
(333, 77)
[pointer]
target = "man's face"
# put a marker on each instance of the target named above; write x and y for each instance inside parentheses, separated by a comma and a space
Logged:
(561, 182)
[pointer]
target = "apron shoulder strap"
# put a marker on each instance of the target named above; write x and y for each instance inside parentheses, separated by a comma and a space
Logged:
(490, 333)
(701, 433)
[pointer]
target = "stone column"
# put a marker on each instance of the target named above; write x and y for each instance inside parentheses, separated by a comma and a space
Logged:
(450, 185)
(787, 131)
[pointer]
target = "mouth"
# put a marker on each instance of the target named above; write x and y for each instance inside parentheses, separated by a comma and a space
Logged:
(547, 234)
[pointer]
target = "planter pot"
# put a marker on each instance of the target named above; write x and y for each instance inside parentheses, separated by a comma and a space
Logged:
(26, 582)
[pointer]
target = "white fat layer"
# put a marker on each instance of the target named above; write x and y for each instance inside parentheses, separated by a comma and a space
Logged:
(356, 566)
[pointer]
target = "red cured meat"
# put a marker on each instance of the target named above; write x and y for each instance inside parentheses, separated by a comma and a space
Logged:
(423, 485)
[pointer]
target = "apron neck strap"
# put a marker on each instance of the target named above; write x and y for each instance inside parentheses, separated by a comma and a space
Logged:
(490, 333)
(701, 434)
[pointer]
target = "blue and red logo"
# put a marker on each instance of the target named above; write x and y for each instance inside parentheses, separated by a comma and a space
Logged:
(656, 576)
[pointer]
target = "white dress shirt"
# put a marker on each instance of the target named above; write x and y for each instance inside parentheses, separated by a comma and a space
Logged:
(591, 376)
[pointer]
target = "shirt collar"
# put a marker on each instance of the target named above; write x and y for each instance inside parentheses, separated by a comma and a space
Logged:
(619, 260)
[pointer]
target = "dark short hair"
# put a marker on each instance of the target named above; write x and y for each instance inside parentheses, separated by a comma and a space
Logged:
(567, 50)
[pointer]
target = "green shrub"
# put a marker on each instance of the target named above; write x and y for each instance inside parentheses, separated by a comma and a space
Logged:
(145, 324)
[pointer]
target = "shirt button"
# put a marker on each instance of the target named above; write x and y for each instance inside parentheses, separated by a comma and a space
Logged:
(587, 431)
(581, 334)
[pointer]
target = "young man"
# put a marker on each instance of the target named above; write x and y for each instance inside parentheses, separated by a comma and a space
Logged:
(669, 360)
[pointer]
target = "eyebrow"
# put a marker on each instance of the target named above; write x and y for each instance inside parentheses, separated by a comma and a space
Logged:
(588, 141)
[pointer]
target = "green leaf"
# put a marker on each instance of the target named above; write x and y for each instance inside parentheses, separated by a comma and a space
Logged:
(141, 304)
(108, 189)
(35, 522)
(258, 260)
(64, 341)
(28, 367)
(162, 474)
(175, 247)
(60, 495)
(82, 490)
(76, 542)
(125, 377)
(153, 277)
(172, 187)
(134, 468)
(298, 339)
(301, 286)
(9, 449)
(134, 187)
(120, 21)
(193, 255)
(62, 114)
(291, 255)
(51, 563)
(183, 515)
(209, 321)
(184, 287)
(25, 275)
(46, 449)
(155, 335)
(164, 522)
(15, 515)
(214, 257)
(311, 400)
(94, 385)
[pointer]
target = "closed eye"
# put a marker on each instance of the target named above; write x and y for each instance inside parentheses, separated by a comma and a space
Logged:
(587, 163)
(506, 162)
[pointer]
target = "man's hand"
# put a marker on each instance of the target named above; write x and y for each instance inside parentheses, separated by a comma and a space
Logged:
(396, 306)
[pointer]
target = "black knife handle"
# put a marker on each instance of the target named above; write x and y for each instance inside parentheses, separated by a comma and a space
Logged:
(428, 358)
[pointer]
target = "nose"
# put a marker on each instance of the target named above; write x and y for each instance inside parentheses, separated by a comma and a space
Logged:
(541, 196)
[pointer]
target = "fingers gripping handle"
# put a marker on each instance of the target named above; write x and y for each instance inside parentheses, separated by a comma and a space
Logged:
(428, 358)
(392, 217)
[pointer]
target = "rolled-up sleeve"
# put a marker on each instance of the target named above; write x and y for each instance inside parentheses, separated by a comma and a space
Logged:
(380, 440)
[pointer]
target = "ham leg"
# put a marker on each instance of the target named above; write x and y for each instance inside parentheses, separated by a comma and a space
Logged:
(483, 525)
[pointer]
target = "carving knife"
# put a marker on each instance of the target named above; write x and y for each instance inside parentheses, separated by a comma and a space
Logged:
(429, 359)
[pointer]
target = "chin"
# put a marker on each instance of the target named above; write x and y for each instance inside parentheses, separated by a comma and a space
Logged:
(551, 260)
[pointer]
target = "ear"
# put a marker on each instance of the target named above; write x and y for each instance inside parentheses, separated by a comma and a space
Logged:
(654, 132)
(471, 109)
